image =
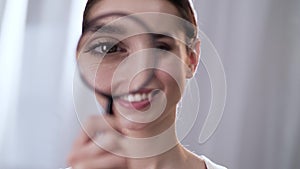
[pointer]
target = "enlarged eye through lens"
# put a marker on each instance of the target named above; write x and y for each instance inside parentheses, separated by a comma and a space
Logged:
(105, 46)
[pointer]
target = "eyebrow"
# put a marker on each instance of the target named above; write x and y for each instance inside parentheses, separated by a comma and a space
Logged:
(156, 36)
(161, 35)
(91, 25)
(104, 28)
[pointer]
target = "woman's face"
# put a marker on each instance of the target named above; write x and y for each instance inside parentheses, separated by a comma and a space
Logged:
(162, 61)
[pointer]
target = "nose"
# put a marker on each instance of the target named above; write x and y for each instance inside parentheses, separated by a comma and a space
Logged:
(143, 69)
(136, 71)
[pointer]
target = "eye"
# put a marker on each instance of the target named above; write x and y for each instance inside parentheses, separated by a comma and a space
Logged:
(106, 48)
(103, 48)
(164, 46)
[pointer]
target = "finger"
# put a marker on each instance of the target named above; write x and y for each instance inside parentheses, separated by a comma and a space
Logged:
(93, 125)
(102, 144)
(89, 150)
(102, 162)
(109, 141)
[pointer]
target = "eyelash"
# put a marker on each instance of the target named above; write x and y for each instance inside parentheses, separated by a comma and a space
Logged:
(164, 46)
(111, 45)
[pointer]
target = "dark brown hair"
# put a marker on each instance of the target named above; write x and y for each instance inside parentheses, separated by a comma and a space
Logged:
(183, 7)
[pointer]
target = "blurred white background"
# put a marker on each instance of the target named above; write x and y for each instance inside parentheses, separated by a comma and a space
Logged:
(258, 41)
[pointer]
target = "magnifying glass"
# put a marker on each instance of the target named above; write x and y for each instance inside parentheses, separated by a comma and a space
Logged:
(111, 43)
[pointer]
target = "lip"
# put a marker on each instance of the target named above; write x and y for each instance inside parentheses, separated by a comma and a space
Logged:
(138, 105)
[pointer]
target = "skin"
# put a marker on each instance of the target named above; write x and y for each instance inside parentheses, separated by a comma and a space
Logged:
(86, 154)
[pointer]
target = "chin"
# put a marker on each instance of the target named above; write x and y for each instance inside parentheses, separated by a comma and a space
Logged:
(133, 125)
(133, 128)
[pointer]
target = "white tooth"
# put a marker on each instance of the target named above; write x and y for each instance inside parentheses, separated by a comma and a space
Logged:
(149, 96)
(137, 97)
(130, 98)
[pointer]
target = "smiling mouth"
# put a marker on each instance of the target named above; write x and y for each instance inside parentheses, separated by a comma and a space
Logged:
(138, 100)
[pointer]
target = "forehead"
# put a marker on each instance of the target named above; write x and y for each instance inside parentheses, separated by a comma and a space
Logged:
(131, 7)
(155, 16)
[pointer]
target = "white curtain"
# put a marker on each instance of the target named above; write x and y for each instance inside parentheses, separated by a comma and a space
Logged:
(258, 42)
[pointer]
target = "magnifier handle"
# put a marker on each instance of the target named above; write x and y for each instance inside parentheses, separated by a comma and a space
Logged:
(109, 106)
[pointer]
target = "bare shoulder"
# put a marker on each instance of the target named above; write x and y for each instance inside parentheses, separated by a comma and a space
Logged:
(201, 162)
(211, 165)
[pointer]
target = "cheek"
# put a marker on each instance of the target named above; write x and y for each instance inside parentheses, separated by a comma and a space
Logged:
(173, 70)
(173, 86)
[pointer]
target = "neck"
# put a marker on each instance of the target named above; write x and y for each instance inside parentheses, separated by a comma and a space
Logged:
(172, 159)
(161, 152)
(158, 150)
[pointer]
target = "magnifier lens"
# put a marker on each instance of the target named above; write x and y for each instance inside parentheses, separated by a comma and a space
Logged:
(110, 48)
